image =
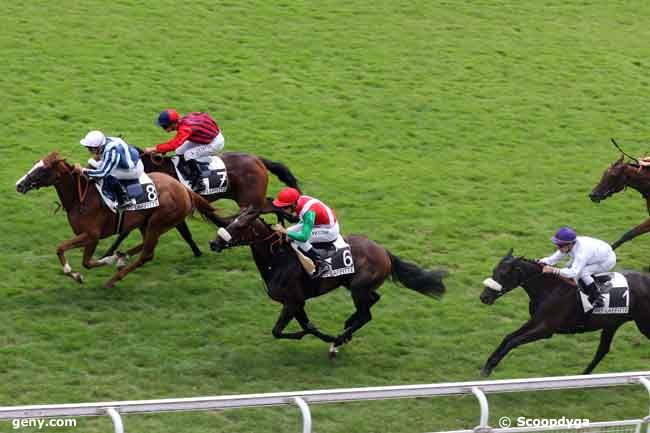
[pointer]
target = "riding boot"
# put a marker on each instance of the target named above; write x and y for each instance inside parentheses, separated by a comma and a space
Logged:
(322, 266)
(195, 175)
(595, 298)
(123, 199)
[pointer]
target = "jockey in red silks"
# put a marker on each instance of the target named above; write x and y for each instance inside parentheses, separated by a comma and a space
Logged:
(317, 224)
(197, 136)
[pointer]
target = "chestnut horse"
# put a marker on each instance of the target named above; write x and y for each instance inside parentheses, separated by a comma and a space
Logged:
(616, 178)
(287, 283)
(247, 183)
(91, 220)
(554, 309)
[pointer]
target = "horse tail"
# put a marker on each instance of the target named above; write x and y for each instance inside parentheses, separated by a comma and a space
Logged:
(428, 283)
(282, 172)
(206, 209)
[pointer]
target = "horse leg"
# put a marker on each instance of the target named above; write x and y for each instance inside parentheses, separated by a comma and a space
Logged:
(642, 228)
(362, 297)
(111, 250)
(286, 315)
(603, 348)
(531, 331)
(75, 242)
(374, 297)
(184, 230)
(310, 328)
(88, 261)
(147, 247)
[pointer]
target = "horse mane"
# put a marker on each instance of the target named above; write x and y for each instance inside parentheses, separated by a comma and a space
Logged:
(52, 158)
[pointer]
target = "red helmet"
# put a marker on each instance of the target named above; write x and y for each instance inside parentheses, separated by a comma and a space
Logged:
(167, 117)
(286, 197)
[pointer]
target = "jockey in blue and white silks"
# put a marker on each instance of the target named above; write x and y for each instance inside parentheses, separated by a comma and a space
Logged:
(119, 161)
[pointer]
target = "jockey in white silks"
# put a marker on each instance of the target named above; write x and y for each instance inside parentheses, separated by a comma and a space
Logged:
(587, 255)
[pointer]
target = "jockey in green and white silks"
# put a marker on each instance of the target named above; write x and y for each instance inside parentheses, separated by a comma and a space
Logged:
(318, 224)
(119, 161)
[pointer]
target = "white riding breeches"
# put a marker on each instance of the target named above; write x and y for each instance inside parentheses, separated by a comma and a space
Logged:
(122, 174)
(597, 268)
(192, 150)
(320, 233)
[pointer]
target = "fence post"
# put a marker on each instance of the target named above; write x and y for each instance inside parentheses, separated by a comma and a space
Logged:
(117, 420)
(485, 410)
(306, 414)
(645, 382)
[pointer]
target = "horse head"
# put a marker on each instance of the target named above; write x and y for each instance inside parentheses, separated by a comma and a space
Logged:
(45, 172)
(614, 180)
(509, 273)
(255, 233)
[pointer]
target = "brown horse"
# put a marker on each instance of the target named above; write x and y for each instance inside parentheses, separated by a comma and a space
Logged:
(554, 308)
(91, 220)
(616, 178)
(288, 284)
(247, 183)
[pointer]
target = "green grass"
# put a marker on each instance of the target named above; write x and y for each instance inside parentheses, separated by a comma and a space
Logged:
(446, 131)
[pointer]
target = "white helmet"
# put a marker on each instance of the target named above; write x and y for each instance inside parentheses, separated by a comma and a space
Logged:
(94, 139)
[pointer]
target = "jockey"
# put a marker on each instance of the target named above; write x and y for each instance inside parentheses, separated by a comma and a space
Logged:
(317, 224)
(119, 161)
(588, 256)
(197, 136)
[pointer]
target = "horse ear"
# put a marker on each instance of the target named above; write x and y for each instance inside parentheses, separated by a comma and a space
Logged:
(509, 253)
(620, 160)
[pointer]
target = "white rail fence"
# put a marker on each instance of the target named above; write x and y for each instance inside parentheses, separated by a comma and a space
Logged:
(303, 398)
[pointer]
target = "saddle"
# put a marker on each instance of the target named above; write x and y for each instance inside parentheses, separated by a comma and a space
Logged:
(337, 254)
(212, 173)
(616, 294)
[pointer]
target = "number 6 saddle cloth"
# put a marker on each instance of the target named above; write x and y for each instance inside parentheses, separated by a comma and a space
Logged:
(337, 254)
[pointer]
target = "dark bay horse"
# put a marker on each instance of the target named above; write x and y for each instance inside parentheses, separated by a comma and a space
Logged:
(553, 308)
(91, 220)
(248, 180)
(288, 284)
(616, 178)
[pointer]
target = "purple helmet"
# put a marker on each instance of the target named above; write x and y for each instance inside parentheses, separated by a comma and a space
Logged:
(564, 236)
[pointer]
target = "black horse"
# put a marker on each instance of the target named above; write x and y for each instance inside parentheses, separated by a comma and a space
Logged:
(554, 307)
(288, 284)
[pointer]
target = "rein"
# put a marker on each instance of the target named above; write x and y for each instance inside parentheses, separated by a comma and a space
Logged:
(81, 190)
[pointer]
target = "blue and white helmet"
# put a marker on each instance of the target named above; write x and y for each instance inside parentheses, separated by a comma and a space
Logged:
(94, 139)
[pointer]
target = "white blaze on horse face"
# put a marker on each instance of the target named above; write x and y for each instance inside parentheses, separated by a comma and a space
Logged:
(492, 284)
(36, 166)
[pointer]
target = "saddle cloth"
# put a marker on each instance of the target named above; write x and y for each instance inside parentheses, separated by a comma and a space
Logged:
(615, 292)
(337, 254)
(213, 175)
(143, 191)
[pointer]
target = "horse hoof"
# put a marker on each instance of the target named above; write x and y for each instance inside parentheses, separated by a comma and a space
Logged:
(109, 285)
(198, 253)
(333, 351)
(485, 372)
(78, 277)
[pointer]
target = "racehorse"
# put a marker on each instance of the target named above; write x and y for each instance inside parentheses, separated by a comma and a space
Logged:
(554, 307)
(288, 284)
(91, 220)
(247, 183)
(616, 178)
